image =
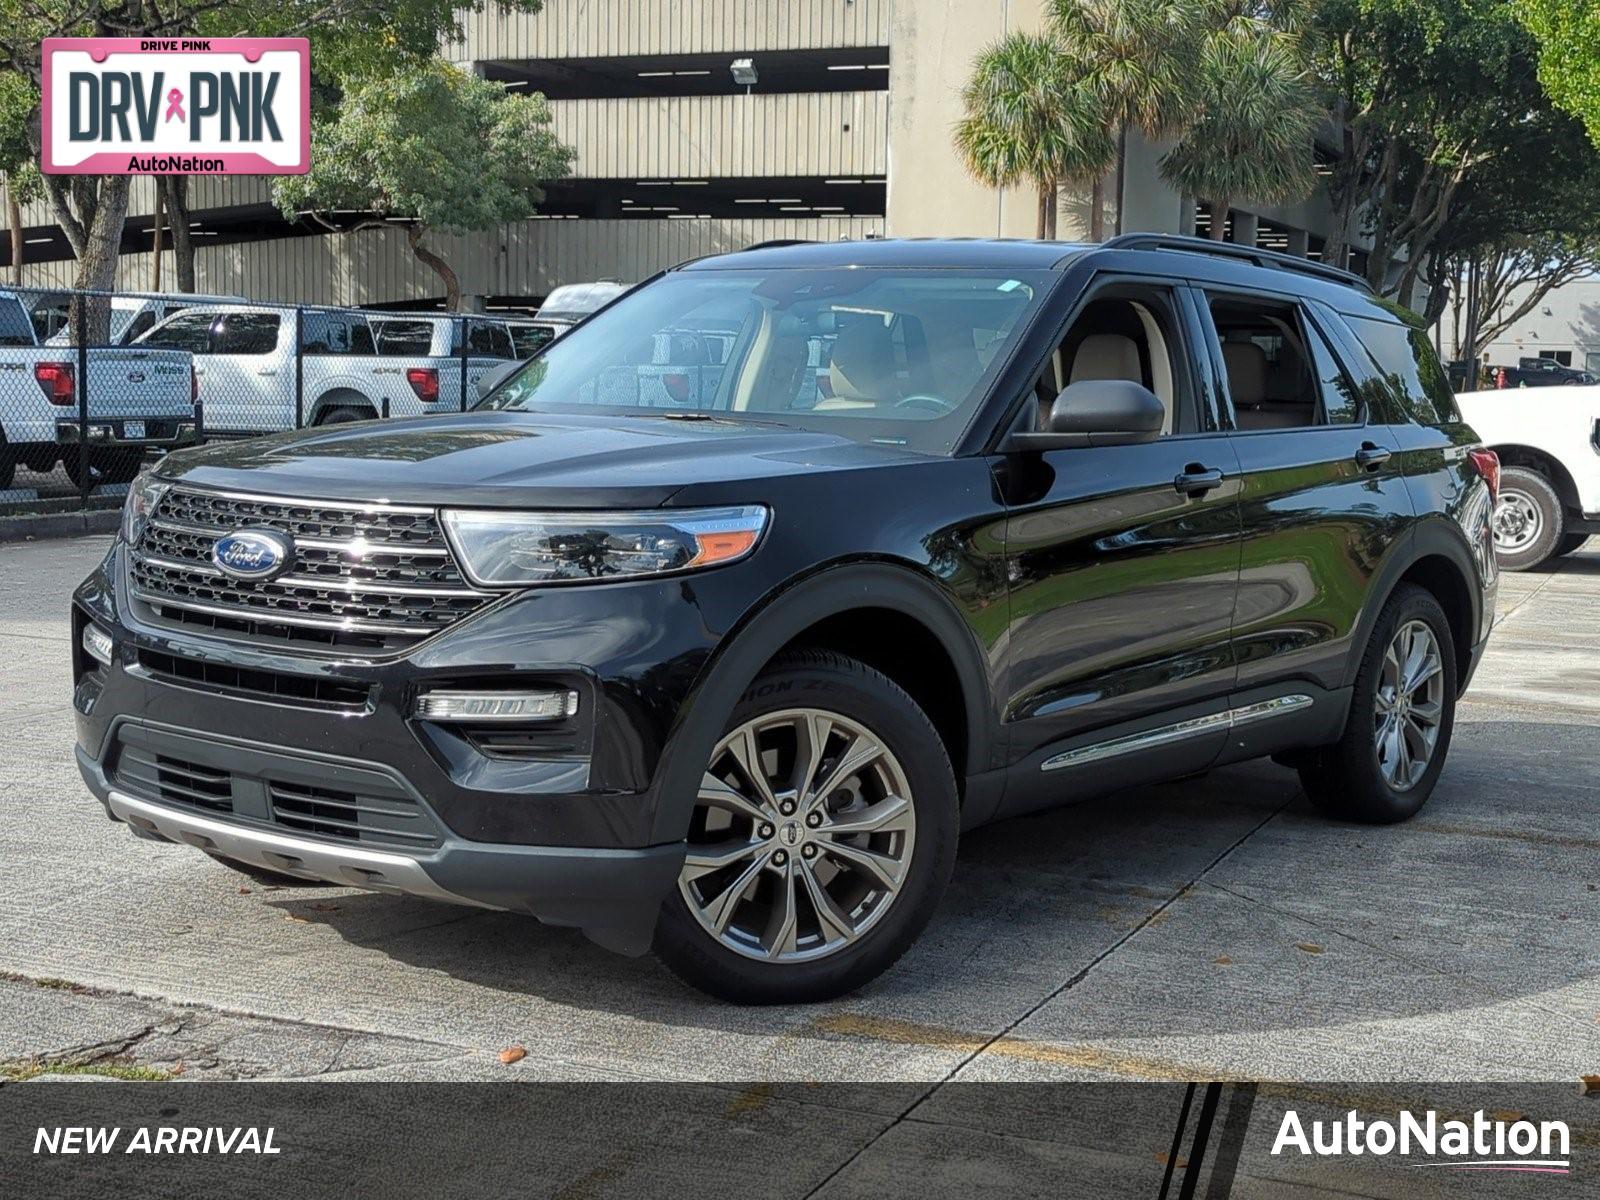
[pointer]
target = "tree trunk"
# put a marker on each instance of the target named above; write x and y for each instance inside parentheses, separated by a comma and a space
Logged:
(452, 284)
(1122, 173)
(1218, 209)
(1042, 226)
(14, 219)
(97, 261)
(176, 190)
(1097, 210)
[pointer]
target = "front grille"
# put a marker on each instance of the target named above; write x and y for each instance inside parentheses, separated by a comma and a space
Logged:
(348, 816)
(186, 784)
(303, 690)
(363, 577)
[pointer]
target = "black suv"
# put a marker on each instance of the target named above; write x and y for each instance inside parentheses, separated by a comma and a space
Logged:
(721, 655)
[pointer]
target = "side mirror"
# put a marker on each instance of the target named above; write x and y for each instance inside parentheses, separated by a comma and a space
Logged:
(1098, 412)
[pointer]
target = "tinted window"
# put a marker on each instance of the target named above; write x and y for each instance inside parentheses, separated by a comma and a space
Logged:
(335, 333)
(411, 338)
(140, 325)
(1340, 402)
(1410, 368)
(488, 339)
(247, 333)
(527, 340)
(15, 329)
(189, 331)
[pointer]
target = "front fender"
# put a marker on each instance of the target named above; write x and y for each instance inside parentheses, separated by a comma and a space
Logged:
(760, 635)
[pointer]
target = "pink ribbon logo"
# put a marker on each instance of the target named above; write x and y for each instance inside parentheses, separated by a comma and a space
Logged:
(175, 105)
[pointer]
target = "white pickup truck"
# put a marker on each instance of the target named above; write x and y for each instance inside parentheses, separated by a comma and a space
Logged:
(1548, 441)
(138, 397)
(251, 382)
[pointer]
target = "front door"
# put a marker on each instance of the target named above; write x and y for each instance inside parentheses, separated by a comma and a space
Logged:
(1122, 564)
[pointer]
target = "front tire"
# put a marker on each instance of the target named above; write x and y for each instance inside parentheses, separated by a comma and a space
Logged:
(1529, 522)
(822, 838)
(1402, 714)
(1571, 544)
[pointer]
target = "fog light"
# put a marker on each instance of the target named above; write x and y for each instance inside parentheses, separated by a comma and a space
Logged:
(543, 705)
(97, 644)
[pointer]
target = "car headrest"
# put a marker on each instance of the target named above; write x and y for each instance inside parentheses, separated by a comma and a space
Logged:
(1107, 356)
(862, 366)
(1247, 372)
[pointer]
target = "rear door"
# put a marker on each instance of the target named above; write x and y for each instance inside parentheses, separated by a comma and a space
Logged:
(1122, 565)
(1323, 502)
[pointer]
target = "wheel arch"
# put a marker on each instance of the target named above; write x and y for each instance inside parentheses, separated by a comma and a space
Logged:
(1533, 459)
(1436, 558)
(839, 608)
(340, 397)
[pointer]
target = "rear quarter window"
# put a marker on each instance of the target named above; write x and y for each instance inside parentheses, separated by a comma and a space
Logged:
(15, 328)
(1411, 369)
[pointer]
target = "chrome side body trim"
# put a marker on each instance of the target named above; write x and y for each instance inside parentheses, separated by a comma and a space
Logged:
(1179, 731)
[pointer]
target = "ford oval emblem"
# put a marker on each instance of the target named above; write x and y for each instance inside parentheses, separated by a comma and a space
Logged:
(256, 554)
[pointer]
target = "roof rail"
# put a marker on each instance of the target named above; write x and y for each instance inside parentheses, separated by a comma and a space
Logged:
(775, 243)
(1250, 254)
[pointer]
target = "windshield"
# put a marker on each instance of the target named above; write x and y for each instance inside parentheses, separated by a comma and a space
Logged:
(898, 357)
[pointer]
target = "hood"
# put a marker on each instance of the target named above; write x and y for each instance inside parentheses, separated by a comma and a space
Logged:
(516, 460)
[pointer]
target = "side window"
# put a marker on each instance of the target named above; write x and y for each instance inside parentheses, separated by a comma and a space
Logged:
(1341, 403)
(1125, 333)
(246, 333)
(140, 325)
(1264, 354)
(336, 333)
(527, 340)
(15, 329)
(413, 339)
(1410, 368)
(490, 339)
(189, 331)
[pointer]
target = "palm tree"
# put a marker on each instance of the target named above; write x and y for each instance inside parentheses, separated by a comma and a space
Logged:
(1030, 120)
(1139, 59)
(1256, 113)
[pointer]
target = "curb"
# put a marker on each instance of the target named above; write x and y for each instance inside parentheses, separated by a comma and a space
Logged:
(59, 525)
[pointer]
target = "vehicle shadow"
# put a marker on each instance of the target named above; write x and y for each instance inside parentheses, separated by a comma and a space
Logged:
(1200, 896)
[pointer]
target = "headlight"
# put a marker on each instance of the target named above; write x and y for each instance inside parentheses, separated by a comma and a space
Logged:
(508, 549)
(143, 497)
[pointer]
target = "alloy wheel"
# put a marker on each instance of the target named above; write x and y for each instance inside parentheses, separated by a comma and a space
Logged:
(1410, 705)
(802, 836)
(1517, 522)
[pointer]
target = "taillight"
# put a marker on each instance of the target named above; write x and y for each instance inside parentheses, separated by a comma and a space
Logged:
(1487, 464)
(677, 387)
(56, 380)
(424, 382)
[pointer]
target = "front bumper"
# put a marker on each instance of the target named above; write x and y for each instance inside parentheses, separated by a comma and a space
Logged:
(570, 835)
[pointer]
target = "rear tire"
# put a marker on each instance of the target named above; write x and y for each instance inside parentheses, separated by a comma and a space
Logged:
(8, 466)
(1529, 522)
(1402, 714)
(118, 464)
(343, 416)
(815, 880)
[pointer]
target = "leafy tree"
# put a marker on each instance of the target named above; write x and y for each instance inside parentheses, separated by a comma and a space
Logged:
(347, 37)
(1139, 59)
(1256, 111)
(452, 152)
(1569, 55)
(17, 161)
(1030, 119)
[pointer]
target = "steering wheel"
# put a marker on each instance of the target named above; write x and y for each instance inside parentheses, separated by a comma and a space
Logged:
(938, 404)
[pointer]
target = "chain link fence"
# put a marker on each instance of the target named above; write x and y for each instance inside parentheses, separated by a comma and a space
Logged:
(96, 385)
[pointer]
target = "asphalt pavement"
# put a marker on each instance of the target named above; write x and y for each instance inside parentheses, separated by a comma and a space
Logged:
(1214, 928)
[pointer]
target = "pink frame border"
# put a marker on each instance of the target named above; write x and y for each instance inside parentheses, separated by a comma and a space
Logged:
(237, 163)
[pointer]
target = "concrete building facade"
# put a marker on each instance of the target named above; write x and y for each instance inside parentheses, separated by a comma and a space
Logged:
(846, 133)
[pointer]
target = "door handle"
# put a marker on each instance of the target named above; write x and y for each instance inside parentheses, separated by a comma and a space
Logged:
(267, 371)
(1197, 480)
(1372, 456)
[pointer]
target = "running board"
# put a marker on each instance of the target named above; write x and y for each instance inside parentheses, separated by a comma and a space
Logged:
(1165, 735)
